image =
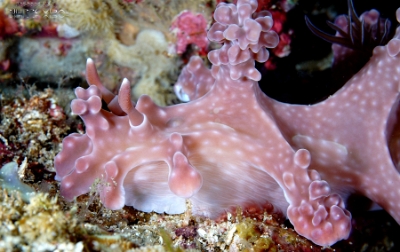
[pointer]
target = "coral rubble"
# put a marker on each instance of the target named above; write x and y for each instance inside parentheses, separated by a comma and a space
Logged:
(31, 127)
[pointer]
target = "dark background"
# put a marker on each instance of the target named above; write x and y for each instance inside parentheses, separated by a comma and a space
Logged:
(286, 84)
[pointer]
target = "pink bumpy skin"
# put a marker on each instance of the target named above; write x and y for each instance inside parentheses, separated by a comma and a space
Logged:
(231, 145)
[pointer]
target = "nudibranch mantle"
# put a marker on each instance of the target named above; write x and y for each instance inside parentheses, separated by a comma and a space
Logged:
(231, 145)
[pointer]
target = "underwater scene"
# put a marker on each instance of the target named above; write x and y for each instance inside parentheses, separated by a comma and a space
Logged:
(208, 125)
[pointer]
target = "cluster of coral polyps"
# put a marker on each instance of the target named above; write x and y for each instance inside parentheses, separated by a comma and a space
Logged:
(232, 145)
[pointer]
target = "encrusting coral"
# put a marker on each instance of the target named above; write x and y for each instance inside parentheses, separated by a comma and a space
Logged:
(232, 145)
(46, 224)
(39, 225)
(32, 127)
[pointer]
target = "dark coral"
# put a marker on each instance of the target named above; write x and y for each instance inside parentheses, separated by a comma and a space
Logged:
(361, 35)
(355, 38)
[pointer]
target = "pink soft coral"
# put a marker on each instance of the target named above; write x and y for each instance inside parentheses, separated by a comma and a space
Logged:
(232, 145)
(190, 29)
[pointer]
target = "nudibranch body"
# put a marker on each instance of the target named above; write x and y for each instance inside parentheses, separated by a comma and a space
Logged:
(231, 145)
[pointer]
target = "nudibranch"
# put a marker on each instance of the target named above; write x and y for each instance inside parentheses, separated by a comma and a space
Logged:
(231, 145)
